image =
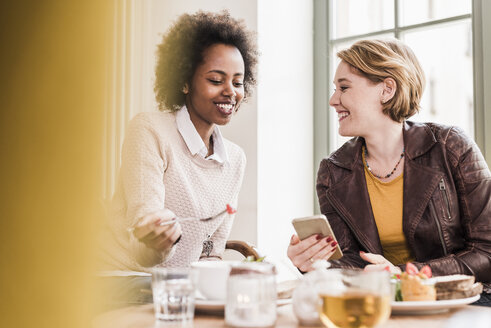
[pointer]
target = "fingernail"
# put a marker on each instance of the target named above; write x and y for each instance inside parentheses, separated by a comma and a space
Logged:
(362, 252)
(318, 237)
(334, 243)
(328, 239)
(291, 239)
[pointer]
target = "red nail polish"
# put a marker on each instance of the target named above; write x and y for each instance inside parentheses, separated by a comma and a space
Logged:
(334, 243)
(329, 239)
(318, 237)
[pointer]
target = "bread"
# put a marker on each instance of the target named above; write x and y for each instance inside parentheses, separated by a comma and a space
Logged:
(474, 290)
(455, 281)
(456, 286)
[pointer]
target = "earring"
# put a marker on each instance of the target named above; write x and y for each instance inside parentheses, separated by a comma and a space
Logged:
(185, 89)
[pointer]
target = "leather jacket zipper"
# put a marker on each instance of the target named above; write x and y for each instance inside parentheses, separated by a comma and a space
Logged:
(440, 233)
(347, 222)
(443, 190)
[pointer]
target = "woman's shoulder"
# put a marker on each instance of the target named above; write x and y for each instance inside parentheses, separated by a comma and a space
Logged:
(441, 132)
(152, 119)
(346, 155)
(157, 124)
(458, 145)
(453, 137)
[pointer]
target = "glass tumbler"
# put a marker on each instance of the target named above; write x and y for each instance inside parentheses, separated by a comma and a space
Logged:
(173, 295)
(251, 295)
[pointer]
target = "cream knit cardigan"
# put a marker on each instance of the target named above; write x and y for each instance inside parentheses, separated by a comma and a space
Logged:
(158, 171)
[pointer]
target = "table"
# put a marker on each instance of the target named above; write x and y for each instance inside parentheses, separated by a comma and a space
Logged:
(143, 317)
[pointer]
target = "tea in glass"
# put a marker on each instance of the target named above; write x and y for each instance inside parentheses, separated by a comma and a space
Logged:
(354, 298)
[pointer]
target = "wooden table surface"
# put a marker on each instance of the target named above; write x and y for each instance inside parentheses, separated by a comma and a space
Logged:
(143, 317)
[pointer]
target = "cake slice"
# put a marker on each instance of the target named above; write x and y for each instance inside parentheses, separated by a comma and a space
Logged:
(416, 285)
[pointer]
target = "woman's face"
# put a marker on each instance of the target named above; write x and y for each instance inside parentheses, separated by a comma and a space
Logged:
(358, 102)
(216, 88)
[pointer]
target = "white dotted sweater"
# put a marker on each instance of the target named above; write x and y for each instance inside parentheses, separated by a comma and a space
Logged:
(158, 171)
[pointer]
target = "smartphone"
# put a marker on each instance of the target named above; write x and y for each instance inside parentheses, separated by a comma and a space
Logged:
(316, 224)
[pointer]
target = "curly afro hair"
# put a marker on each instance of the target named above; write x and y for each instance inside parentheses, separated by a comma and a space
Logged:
(182, 47)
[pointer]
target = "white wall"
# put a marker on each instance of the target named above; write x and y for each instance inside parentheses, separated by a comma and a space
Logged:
(285, 121)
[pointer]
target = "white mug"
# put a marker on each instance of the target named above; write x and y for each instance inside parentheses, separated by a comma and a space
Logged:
(211, 278)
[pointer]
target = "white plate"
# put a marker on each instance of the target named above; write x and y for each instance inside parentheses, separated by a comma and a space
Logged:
(427, 307)
(218, 306)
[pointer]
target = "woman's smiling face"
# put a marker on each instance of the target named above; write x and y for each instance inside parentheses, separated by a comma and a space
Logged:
(216, 88)
(357, 101)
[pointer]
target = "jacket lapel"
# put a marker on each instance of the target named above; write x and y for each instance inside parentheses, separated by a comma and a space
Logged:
(419, 184)
(350, 198)
(420, 181)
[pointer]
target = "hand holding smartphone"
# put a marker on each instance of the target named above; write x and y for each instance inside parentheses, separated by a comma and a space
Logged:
(317, 224)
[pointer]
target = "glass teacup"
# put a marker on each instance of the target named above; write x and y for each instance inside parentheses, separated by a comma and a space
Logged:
(354, 298)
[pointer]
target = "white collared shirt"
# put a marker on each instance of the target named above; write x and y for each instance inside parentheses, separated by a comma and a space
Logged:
(194, 142)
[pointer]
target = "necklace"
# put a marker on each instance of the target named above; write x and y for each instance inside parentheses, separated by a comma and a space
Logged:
(365, 153)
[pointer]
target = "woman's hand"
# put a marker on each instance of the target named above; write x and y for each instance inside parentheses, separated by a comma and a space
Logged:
(379, 263)
(160, 238)
(303, 253)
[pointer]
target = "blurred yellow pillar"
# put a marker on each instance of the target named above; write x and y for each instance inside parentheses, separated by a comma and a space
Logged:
(53, 71)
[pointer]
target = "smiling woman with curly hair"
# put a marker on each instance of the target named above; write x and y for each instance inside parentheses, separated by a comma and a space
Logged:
(182, 48)
(175, 162)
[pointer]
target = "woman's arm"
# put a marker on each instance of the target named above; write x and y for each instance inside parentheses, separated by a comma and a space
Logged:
(143, 165)
(473, 184)
(347, 242)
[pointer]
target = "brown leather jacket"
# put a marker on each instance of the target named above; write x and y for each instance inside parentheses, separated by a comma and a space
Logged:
(447, 201)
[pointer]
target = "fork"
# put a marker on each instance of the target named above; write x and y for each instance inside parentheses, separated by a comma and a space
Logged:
(191, 219)
(229, 210)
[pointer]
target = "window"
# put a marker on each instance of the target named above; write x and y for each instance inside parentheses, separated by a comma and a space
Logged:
(440, 34)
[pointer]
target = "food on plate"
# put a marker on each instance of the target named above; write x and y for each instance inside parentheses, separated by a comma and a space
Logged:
(456, 286)
(416, 285)
(419, 285)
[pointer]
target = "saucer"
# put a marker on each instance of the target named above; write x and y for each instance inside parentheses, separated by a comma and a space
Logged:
(219, 305)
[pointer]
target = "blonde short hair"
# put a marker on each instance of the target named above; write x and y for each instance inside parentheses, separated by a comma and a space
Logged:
(379, 59)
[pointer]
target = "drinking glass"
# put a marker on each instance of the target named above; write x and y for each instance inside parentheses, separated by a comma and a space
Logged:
(173, 295)
(354, 298)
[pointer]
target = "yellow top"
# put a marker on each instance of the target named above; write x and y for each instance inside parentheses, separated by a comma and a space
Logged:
(386, 200)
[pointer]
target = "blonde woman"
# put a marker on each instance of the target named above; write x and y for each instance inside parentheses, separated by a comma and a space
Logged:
(399, 191)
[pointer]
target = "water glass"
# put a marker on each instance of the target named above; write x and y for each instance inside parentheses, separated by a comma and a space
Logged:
(354, 298)
(173, 295)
